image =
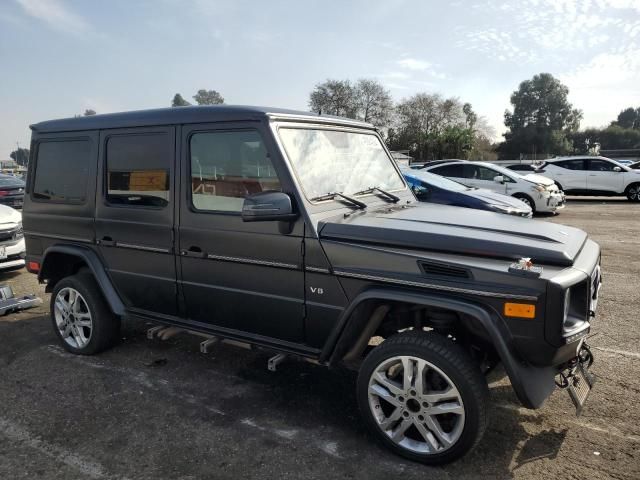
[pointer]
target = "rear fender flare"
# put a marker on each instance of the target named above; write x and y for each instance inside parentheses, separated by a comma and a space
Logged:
(91, 260)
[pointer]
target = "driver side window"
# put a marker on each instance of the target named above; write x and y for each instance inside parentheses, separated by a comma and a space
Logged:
(228, 166)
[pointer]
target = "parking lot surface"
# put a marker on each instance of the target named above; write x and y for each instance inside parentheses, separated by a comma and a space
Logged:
(161, 409)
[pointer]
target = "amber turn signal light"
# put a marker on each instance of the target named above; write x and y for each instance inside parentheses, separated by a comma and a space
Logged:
(520, 310)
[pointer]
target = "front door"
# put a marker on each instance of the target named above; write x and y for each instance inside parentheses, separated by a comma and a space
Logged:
(134, 216)
(243, 277)
(602, 177)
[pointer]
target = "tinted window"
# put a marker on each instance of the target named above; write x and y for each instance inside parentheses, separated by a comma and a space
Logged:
(228, 166)
(596, 165)
(138, 170)
(61, 171)
(570, 164)
(449, 171)
(484, 173)
(11, 181)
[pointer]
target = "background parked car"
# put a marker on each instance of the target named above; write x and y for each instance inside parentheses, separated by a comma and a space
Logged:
(527, 168)
(594, 176)
(432, 188)
(12, 246)
(11, 191)
(635, 166)
(538, 192)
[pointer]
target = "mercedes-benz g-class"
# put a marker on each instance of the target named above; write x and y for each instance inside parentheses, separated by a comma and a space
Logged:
(296, 233)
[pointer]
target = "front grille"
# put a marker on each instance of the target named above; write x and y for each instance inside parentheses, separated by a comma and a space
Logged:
(10, 234)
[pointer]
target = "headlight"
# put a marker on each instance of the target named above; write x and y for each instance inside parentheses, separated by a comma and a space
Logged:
(508, 210)
(20, 231)
(540, 188)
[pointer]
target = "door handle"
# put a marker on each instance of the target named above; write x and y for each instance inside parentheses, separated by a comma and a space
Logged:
(193, 251)
(107, 241)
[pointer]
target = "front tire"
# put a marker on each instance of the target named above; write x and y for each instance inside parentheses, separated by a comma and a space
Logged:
(81, 318)
(423, 397)
(633, 192)
(526, 199)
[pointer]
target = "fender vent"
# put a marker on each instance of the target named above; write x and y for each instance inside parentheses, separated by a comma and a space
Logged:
(444, 270)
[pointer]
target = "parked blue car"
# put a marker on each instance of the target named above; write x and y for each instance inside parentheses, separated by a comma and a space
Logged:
(429, 187)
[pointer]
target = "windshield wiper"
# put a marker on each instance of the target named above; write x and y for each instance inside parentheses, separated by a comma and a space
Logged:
(330, 196)
(390, 196)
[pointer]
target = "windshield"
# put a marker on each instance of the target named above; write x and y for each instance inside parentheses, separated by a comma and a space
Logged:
(441, 182)
(11, 181)
(329, 161)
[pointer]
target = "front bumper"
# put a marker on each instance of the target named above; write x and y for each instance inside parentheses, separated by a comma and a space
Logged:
(551, 202)
(15, 255)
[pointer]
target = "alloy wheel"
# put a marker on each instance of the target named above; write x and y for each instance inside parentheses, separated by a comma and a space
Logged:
(73, 318)
(416, 405)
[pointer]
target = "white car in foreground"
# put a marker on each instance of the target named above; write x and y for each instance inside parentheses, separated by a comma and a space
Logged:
(12, 248)
(594, 176)
(540, 193)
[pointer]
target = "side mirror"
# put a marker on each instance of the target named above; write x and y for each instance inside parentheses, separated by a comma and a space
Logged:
(617, 169)
(498, 179)
(268, 206)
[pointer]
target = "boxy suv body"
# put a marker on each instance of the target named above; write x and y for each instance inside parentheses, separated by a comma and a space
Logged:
(297, 233)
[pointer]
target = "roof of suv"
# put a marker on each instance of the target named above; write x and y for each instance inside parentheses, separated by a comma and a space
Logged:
(576, 157)
(183, 115)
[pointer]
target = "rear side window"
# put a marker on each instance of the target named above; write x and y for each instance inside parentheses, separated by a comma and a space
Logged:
(449, 171)
(138, 170)
(570, 164)
(61, 171)
(226, 167)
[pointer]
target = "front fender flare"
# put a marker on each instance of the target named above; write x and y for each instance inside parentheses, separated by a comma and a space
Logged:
(91, 259)
(531, 384)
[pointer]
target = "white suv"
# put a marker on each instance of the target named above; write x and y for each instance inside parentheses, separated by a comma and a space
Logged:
(594, 176)
(540, 193)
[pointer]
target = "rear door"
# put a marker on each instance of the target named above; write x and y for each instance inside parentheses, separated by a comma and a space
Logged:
(243, 278)
(602, 177)
(134, 216)
(570, 174)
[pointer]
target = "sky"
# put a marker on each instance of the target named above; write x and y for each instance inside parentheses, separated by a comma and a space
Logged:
(60, 57)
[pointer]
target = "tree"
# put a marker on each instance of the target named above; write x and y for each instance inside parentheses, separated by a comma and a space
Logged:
(628, 118)
(334, 97)
(88, 112)
(373, 102)
(542, 118)
(430, 127)
(471, 117)
(178, 101)
(208, 97)
(20, 156)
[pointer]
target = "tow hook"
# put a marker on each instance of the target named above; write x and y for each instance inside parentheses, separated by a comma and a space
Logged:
(576, 377)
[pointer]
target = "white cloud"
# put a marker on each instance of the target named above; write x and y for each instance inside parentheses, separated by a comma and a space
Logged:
(414, 64)
(605, 85)
(56, 15)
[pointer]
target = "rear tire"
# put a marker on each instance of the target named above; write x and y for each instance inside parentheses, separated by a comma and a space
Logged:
(633, 192)
(81, 318)
(526, 199)
(423, 397)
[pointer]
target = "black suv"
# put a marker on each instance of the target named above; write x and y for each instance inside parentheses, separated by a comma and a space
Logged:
(296, 233)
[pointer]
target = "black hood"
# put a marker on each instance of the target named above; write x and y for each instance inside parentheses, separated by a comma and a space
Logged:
(458, 230)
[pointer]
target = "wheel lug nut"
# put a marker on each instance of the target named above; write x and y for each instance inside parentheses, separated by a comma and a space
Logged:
(413, 393)
(425, 404)
(405, 414)
(421, 418)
